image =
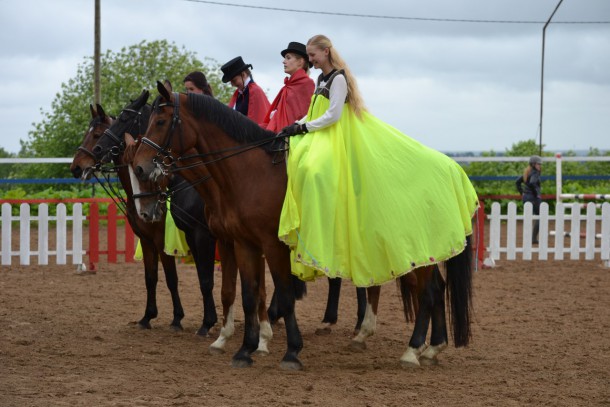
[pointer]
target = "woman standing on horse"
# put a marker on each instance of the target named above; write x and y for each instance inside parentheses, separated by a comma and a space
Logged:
(364, 201)
(248, 99)
(529, 187)
(293, 99)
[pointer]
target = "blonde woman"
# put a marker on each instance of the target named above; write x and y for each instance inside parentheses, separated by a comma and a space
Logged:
(364, 201)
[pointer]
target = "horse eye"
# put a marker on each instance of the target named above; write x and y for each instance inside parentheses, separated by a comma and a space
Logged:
(160, 122)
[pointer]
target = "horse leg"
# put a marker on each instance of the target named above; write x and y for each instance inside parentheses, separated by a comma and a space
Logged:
(151, 276)
(171, 280)
(266, 333)
(438, 336)
(203, 248)
(227, 295)
(332, 307)
(272, 312)
(369, 322)
(417, 343)
(361, 298)
(278, 258)
(251, 265)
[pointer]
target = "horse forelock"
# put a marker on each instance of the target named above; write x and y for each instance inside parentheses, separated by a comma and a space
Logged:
(234, 124)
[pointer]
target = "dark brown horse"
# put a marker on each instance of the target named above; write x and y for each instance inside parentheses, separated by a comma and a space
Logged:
(134, 118)
(246, 196)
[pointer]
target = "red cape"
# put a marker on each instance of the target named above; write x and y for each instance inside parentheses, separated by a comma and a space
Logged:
(258, 104)
(291, 103)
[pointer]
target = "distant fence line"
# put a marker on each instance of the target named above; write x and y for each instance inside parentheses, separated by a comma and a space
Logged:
(558, 177)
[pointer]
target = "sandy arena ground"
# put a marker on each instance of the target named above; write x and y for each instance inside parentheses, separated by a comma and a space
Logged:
(541, 337)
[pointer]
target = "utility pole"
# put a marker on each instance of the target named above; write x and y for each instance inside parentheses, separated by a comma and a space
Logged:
(542, 75)
(97, 94)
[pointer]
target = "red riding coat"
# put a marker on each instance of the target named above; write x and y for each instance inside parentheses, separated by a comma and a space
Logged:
(291, 103)
(257, 102)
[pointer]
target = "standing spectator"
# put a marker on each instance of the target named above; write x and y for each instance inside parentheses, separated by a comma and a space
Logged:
(529, 187)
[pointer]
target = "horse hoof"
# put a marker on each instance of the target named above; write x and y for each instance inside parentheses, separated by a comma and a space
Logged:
(216, 351)
(261, 352)
(291, 365)
(324, 330)
(203, 332)
(176, 328)
(424, 361)
(241, 363)
(144, 325)
(357, 346)
(406, 364)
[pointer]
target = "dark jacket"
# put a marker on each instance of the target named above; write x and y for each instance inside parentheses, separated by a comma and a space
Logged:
(530, 188)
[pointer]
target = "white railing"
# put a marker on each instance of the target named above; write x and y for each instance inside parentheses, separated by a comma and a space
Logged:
(44, 251)
(566, 231)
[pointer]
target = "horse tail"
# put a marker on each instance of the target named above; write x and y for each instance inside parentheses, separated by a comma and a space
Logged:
(459, 294)
(407, 284)
(300, 288)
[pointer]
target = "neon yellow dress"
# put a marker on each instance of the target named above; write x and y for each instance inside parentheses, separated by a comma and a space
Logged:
(367, 203)
(174, 243)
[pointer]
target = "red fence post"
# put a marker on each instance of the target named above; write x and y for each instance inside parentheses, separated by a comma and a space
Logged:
(112, 235)
(94, 235)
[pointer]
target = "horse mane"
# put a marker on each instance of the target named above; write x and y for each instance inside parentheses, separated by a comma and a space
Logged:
(237, 126)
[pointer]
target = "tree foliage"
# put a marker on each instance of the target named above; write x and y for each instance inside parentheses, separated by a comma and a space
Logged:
(123, 76)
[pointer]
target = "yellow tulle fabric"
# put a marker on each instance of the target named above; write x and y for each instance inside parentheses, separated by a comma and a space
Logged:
(174, 243)
(368, 203)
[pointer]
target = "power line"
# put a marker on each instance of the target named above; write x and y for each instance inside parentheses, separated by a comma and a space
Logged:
(438, 20)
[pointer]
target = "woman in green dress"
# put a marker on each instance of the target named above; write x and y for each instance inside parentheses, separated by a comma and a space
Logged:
(364, 201)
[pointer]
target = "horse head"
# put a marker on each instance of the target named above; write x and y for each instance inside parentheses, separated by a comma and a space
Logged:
(159, 146)
(133, 118)
(84, 163)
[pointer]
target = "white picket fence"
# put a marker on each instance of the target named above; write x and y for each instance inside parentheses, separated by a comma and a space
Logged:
(26, 222)
(581, 235)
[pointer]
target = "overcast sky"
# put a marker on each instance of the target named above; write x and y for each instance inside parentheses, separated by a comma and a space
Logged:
(455, 86)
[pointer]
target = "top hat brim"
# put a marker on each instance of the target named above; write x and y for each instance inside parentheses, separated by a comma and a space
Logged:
(234, 72)
(298, 52)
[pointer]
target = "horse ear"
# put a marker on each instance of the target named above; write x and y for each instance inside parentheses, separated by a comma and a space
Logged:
(100, 111)
(163, 90)
(129, 140)
(92, 110)
(168, 85)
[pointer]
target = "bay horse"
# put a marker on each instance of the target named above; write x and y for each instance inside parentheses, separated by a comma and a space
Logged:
(134, 118)
(187, 209)
(247, 194)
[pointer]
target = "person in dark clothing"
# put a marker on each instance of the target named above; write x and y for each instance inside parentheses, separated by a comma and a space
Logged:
(529, 187)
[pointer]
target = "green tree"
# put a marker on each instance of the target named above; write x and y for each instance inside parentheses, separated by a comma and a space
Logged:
(123, 76)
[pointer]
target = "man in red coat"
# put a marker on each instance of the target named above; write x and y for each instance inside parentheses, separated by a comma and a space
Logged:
(292, 101)
(249, 99)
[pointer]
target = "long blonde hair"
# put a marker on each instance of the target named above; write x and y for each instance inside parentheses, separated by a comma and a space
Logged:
(353, 93)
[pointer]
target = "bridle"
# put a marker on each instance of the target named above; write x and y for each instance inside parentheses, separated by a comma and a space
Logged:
(118, 146)
(86, 151)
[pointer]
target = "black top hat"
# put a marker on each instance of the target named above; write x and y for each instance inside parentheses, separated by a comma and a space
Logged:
(233, 68)
(299, 49)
